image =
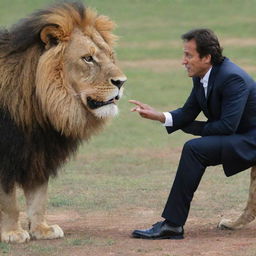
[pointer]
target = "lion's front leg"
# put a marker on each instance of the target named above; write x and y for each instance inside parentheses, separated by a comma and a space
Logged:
(36, 206)
(11, 230)
(249, 212)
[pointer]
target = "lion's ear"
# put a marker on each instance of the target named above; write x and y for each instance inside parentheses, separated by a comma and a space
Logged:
(51, 35)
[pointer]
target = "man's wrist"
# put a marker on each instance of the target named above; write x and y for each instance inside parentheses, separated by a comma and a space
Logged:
(168, 119)
(161, 117)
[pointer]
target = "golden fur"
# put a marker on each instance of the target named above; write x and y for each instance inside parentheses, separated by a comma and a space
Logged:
(59, 85)
(249, 213)
(54, 98)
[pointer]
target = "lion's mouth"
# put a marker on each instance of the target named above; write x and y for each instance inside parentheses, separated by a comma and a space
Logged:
(93, 104)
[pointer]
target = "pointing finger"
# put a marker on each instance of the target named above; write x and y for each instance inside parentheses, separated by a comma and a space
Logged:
(136, 102)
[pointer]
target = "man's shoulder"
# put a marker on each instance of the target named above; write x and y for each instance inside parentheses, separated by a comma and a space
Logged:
(231, 72)
(228, 68)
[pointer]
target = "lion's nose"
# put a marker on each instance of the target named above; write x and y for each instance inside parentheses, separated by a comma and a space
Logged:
(118, 82)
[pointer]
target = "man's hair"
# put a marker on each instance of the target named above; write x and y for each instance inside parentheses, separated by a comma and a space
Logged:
(206, 43)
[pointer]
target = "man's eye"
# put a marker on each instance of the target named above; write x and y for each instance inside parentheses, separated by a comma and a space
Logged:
(88, 59)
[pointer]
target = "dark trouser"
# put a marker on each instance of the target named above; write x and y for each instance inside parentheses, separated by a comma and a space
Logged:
(196, 155)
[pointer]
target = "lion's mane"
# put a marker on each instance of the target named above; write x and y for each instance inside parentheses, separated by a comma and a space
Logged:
(41, 123)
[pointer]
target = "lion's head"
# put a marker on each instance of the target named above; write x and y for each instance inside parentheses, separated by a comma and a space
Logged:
(68, 74)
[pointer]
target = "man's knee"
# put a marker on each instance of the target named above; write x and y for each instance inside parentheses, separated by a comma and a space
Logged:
(191, 145)
(196, 149)
(205, 149)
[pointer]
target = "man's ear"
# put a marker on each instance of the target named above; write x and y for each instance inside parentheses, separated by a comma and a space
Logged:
(51, 35)
(208, 59)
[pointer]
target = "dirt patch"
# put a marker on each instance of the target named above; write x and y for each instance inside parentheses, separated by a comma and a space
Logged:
(110, 235)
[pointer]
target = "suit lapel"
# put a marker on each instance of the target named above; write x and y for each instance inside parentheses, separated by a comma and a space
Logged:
(211, 80)
(203, 101)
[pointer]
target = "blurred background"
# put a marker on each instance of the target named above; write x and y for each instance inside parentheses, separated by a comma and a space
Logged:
(129, 167)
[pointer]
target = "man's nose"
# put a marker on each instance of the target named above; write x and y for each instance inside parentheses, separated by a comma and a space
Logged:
(184, 61)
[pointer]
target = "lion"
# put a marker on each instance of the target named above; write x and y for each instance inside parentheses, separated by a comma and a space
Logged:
(59, 85)
(249, 213)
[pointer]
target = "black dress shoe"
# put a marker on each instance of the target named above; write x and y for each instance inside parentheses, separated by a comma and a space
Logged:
(160, 230)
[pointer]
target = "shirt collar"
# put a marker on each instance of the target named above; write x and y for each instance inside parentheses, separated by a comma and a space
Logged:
(205, 79)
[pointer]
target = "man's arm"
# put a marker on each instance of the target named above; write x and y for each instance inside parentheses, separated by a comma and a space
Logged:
(195, 128)
(183, 117)
(147, 111)
(180, 117)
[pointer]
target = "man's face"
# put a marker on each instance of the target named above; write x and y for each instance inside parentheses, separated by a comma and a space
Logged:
(195, 65)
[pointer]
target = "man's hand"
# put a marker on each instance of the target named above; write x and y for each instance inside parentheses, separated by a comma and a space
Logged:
(147, 111)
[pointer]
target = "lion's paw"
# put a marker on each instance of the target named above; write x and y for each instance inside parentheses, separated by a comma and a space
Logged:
(226, 224)
(15, 236)
(47, 232)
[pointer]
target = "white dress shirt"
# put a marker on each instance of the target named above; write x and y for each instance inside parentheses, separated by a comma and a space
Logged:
(204, 81)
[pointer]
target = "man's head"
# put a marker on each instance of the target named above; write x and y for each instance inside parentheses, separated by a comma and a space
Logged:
(201, 51)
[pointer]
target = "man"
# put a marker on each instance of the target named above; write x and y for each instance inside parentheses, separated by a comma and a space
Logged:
(227, 96)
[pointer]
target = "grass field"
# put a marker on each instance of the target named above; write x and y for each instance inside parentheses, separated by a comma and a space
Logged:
(123, 176)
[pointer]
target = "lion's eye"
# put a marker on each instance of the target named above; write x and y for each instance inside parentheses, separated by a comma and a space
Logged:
(88, 59)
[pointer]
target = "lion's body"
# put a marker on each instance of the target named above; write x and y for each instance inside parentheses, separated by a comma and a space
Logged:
(58, 86)
(43, 150)
(249, 213)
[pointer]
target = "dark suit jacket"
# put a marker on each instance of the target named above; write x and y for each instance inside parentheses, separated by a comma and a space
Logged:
(231, 112)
